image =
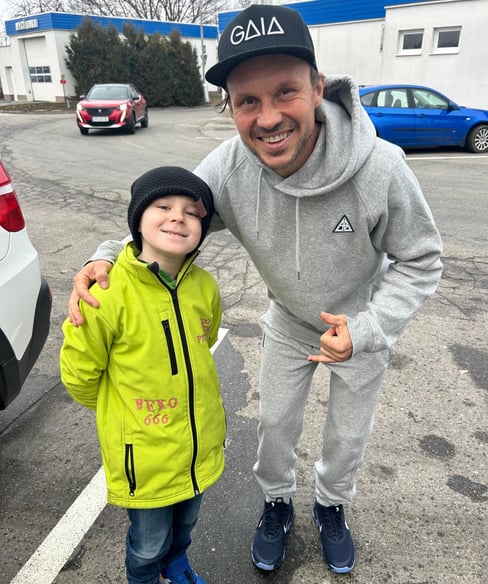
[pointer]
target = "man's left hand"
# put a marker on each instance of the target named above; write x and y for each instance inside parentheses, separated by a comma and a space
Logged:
(335, 343)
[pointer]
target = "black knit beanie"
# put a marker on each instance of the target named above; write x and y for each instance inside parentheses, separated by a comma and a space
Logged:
(165, 181)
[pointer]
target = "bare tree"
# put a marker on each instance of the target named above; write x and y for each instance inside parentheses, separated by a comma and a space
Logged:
(27, 7)
(196, 11)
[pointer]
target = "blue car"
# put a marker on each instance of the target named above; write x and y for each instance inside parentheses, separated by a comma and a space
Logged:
(414, 116)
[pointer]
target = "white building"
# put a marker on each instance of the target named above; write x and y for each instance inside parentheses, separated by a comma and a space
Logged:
(439, 43)
(32, 65)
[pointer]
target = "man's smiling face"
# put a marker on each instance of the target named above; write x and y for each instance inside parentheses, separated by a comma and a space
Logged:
(273, 104)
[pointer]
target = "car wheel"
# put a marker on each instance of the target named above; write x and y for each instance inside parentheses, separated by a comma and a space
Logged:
(84, 131)
(131, 126)
(478, 139)
(145, 120)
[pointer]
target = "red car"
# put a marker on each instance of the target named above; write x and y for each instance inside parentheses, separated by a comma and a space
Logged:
(112, 106)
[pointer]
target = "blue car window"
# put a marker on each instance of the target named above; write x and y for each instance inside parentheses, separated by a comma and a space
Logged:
(385, 98)
(368, 99)
(400, 99)
(423, 98)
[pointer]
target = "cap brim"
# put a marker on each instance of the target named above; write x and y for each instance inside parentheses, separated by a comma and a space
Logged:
(217, 75)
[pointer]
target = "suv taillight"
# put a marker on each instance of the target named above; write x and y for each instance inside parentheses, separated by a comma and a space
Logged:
(11, 218)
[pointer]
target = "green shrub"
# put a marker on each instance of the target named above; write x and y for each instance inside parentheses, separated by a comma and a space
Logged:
(165, 69)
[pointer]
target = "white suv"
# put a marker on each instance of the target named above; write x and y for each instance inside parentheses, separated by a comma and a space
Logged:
(25, 297)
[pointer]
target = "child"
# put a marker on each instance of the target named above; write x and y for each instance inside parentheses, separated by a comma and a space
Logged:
(143, 362)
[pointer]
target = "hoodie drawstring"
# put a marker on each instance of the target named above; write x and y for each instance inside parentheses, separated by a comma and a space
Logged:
(297, 237)
(258, 200)
(297, 221)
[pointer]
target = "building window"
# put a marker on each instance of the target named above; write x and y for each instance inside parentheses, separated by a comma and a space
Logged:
(446, 40)
(410, 42)
(40, 74)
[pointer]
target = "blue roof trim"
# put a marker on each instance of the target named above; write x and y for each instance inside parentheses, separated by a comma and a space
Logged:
(318, 12)
(65, 21)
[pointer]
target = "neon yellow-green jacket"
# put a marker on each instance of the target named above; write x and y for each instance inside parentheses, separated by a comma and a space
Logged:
(142, 360)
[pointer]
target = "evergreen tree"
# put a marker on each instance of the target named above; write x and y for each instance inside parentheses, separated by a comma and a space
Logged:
(96, 55)
(186, 82)
(154, 73)
(84, 55)
(116, 58)
(136, 43)
(165, 70)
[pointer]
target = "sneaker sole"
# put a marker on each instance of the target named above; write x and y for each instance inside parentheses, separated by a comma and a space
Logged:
(336, 570)
(267, 567)
(271, 567)
(332, 568)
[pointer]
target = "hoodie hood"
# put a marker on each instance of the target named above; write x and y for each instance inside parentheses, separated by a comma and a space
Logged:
(319, 238)
(346, 139)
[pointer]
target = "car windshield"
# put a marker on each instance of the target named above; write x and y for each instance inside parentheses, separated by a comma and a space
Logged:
(109, 92)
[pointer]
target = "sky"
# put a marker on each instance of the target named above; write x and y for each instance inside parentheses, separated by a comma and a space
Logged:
(4, 9)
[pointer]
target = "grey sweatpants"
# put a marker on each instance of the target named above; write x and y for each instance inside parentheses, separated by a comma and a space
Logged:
(285, 381)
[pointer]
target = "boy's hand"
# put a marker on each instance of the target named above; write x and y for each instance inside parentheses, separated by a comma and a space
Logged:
(94, 271)
(335, 343)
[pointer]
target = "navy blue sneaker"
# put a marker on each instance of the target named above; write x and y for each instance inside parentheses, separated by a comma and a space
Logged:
(335, 538)
(268, 547)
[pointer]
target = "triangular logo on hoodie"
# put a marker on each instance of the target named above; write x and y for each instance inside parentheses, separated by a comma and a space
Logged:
(344, 226)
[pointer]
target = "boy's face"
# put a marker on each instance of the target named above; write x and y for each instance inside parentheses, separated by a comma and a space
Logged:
(171, 226)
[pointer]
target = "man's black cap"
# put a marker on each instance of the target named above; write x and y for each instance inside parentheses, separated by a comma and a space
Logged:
(261, 30)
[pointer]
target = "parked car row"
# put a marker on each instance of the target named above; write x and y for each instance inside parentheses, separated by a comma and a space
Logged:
(25, 297)
(411, 116)
(112, 106)
(414, 116)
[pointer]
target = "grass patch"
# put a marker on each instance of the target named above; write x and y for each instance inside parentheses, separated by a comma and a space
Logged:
(35, 107)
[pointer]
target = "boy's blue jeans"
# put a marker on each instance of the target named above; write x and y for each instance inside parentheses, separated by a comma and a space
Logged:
(157, 537)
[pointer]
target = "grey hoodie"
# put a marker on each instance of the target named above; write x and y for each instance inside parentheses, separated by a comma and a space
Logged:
(350, 232)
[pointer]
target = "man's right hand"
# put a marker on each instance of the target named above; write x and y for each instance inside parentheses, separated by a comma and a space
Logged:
(93, 271)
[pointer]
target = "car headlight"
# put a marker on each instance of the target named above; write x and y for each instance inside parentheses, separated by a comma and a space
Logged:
(122, 107)
(79, 107)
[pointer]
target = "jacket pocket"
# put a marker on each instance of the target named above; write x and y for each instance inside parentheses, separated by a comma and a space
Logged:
(130, 470)
(171, 346)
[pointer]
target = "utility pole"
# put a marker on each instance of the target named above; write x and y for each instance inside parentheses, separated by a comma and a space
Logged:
(203, 57)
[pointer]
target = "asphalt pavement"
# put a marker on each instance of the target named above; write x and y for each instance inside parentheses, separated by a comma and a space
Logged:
(420, 514)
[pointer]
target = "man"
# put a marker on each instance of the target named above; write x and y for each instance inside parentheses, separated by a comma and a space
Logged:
(339, 230)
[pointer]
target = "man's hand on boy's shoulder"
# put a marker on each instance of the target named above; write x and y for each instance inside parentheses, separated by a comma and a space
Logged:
(96, 271)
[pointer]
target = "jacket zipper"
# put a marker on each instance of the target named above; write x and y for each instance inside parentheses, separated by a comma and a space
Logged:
(171, 347)
(130, 470)
(191, 387)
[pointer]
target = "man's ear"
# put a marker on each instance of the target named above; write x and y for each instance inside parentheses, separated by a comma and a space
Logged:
(229, 106)
(322, 82)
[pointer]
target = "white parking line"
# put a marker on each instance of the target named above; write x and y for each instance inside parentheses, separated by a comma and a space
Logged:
(53, 553)
(46, 562)
(448, 157)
